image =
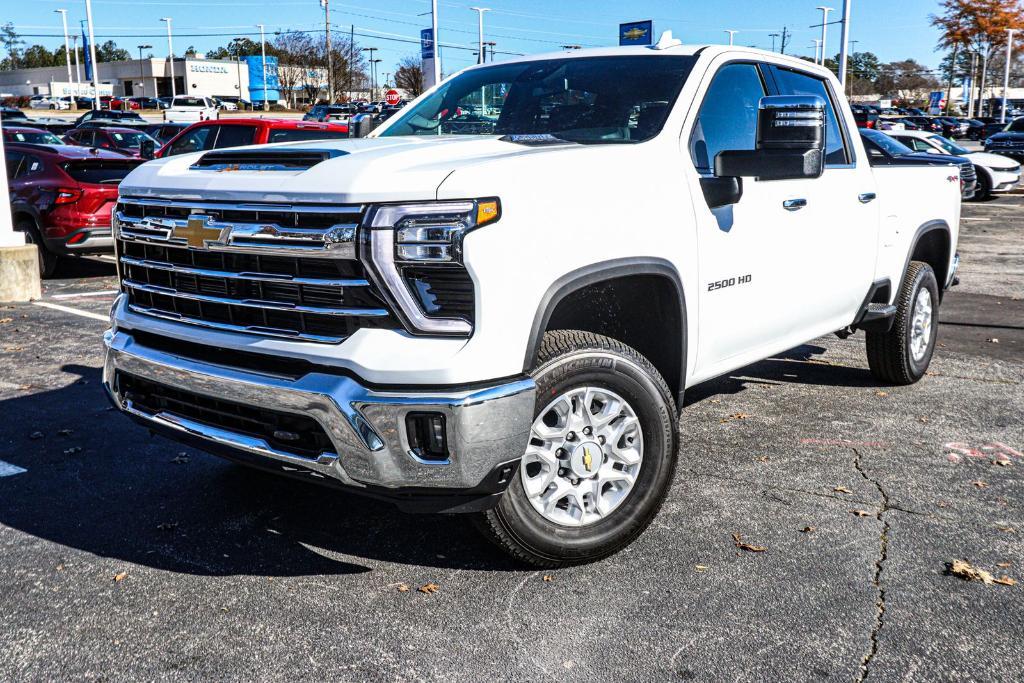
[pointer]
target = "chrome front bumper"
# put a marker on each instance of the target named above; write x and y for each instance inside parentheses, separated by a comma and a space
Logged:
(486, 427)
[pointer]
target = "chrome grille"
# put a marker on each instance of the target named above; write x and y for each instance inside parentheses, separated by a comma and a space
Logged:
(292, 278)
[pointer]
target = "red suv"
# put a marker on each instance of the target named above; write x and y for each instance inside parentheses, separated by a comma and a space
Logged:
(61, 197)
(223, 133)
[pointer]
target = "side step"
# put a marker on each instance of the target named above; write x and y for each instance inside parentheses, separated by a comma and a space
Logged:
(877, 312)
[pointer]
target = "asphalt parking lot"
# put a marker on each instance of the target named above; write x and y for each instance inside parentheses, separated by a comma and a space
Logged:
(128, 557)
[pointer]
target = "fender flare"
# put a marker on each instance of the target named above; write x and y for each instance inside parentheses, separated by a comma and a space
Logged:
(930, 226)
(600, 272)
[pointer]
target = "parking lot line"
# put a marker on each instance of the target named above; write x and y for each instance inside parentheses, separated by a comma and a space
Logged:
(9, 470)
(105, 292)
(73, 311)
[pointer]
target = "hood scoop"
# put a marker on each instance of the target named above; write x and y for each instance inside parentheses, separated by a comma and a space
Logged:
(264, 159)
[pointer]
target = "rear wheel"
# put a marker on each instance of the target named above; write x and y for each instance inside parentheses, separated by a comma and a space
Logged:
(601, 456)
(47, 259)
(902, 354)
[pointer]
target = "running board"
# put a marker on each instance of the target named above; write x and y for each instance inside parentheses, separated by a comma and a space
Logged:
(877, 312)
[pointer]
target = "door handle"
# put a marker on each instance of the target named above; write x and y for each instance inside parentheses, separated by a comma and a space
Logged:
(866, 197)
(794, 204)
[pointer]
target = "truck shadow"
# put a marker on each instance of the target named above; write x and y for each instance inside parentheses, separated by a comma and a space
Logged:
(98, 483)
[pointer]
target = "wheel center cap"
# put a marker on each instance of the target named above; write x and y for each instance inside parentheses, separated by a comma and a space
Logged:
(586, 459)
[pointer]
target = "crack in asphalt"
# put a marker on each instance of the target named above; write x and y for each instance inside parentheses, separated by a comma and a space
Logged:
(883, 550)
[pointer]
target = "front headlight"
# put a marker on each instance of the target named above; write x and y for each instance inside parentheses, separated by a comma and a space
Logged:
(403, 239)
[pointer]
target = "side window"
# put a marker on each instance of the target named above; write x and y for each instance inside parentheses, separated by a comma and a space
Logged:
(13, 163)
(796, 83)
(235, 136)
(30, 165)
(728, 115)
(85, 137)
(195, 140)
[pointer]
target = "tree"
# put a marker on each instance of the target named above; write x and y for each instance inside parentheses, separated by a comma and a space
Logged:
(409, 75)
(110, 52)
(906, 80)
(10, 39)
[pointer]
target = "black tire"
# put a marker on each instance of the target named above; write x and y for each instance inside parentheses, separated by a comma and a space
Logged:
(889, 353)
(568, 359)
(47, 259)
(984, 189)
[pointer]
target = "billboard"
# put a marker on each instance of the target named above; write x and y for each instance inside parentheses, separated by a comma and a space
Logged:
(427, 43)
(935, 103)
(636, 33)
(273, 85)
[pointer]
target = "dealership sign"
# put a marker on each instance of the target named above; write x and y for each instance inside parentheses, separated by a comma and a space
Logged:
(208, 68)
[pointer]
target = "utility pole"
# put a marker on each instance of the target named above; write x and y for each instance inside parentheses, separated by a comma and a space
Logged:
(263, 55)
(491, 45)
(326, 4)
(92, 56)
(142, 74)
(1006, 74)
(371, 50)
(170, 54)
(437, 41)
(480, 31)
(732, 35)
(67, 50)
(824, 32)
(351, 58)
(984, 80)
(785, 40)
(845, 42)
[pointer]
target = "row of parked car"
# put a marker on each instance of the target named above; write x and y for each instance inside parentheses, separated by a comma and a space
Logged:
(124, 103)
(953, 127)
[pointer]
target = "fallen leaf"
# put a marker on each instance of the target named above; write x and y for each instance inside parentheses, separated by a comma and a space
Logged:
(808, 529)
(403, 588)
(1007, 529)
(429, 588)
(991, 340)
(72, 450)
(60, 567)
(1002, 462)
(1004, 565)
(548, 578)
(882, 394)
(701, 567)
(763, 458)
(66, 432)
(167, 526)
(716, 401)
(861, 513)
(980, 484)
(966, 571)
(739, 543)
(841, 489)
(4, 321)
(1006, 581)
(35, 435)
(120, 577)
(923, 418)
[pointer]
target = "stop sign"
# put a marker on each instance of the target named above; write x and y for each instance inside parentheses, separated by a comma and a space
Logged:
(392, 97)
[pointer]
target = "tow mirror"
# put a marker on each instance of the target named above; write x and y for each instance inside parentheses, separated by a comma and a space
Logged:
(361, 125)
(147, 149)
(790, 142)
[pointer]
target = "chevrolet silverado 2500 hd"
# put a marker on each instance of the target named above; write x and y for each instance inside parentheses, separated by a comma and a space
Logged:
(494, 303)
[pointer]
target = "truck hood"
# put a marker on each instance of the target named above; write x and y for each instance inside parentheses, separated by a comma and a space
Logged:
(364, 170)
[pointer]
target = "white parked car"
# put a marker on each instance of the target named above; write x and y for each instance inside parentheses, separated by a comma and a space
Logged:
(996, 173)
(187, 109)
(227, 105)
(500, 315)
(48, 102)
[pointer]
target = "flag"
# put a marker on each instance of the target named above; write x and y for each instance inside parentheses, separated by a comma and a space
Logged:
(87, 54)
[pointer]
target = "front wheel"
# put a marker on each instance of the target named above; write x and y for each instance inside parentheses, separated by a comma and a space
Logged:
(601, 456)
(902, 354)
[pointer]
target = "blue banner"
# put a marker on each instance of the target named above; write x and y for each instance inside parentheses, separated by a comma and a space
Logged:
(966, 97)
(88, 56)
(427, 43)
(256, 89)
(636, 33)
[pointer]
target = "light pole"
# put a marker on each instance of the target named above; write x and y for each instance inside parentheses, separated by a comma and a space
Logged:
(817, 50)
(326, 4)
(67, 50)
(92, 57)
(78, 70)
(490, 44)
(845, 43)
(480, 31)
(773, 37)
(437, 41)
(824, 32)
(142, 73)
(263, 57)
(1006, 74)
(170, 53)
(732, 35)
(373, 69)
(371, 50)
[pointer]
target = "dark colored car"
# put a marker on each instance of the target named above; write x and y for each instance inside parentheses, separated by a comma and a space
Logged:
(61, 197)
(12, 114)
(164, 131)
(1008, 142)
(30, 136)
(885, 151)
(952, 127)
(127, 141)
(104, 115)
(322, 112)
(975, 128)
(222, 133)
(925, 123)
(866, 117)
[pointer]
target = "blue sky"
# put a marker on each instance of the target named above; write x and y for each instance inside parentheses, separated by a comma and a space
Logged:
(891, 30)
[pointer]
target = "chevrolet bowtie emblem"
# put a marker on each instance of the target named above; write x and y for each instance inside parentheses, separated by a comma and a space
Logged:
(197, 232)
(587, 460)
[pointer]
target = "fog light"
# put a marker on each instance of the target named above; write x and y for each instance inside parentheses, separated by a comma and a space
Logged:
(428, 438)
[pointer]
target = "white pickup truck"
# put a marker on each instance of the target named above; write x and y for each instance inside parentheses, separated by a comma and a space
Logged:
(494, 303)
(188, 109)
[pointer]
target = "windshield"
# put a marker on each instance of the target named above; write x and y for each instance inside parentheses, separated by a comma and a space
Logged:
(587, 100)
(947, 145)
(1016, 127)
(887, 144)
(33, 137)
(125, 140)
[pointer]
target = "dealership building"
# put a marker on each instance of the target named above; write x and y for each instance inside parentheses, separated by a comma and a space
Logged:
(152, 78)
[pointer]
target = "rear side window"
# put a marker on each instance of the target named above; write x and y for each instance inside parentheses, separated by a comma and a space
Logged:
(797, 83)
(195, 140)
(728, 115)
(235, 136)
(100, 172)
(296, 134)
(13, 163)
(29, 166)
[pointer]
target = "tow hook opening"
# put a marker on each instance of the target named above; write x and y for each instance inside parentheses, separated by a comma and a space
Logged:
(428, 436)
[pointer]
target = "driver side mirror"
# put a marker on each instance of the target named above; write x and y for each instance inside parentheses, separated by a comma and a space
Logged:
(790, 142)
